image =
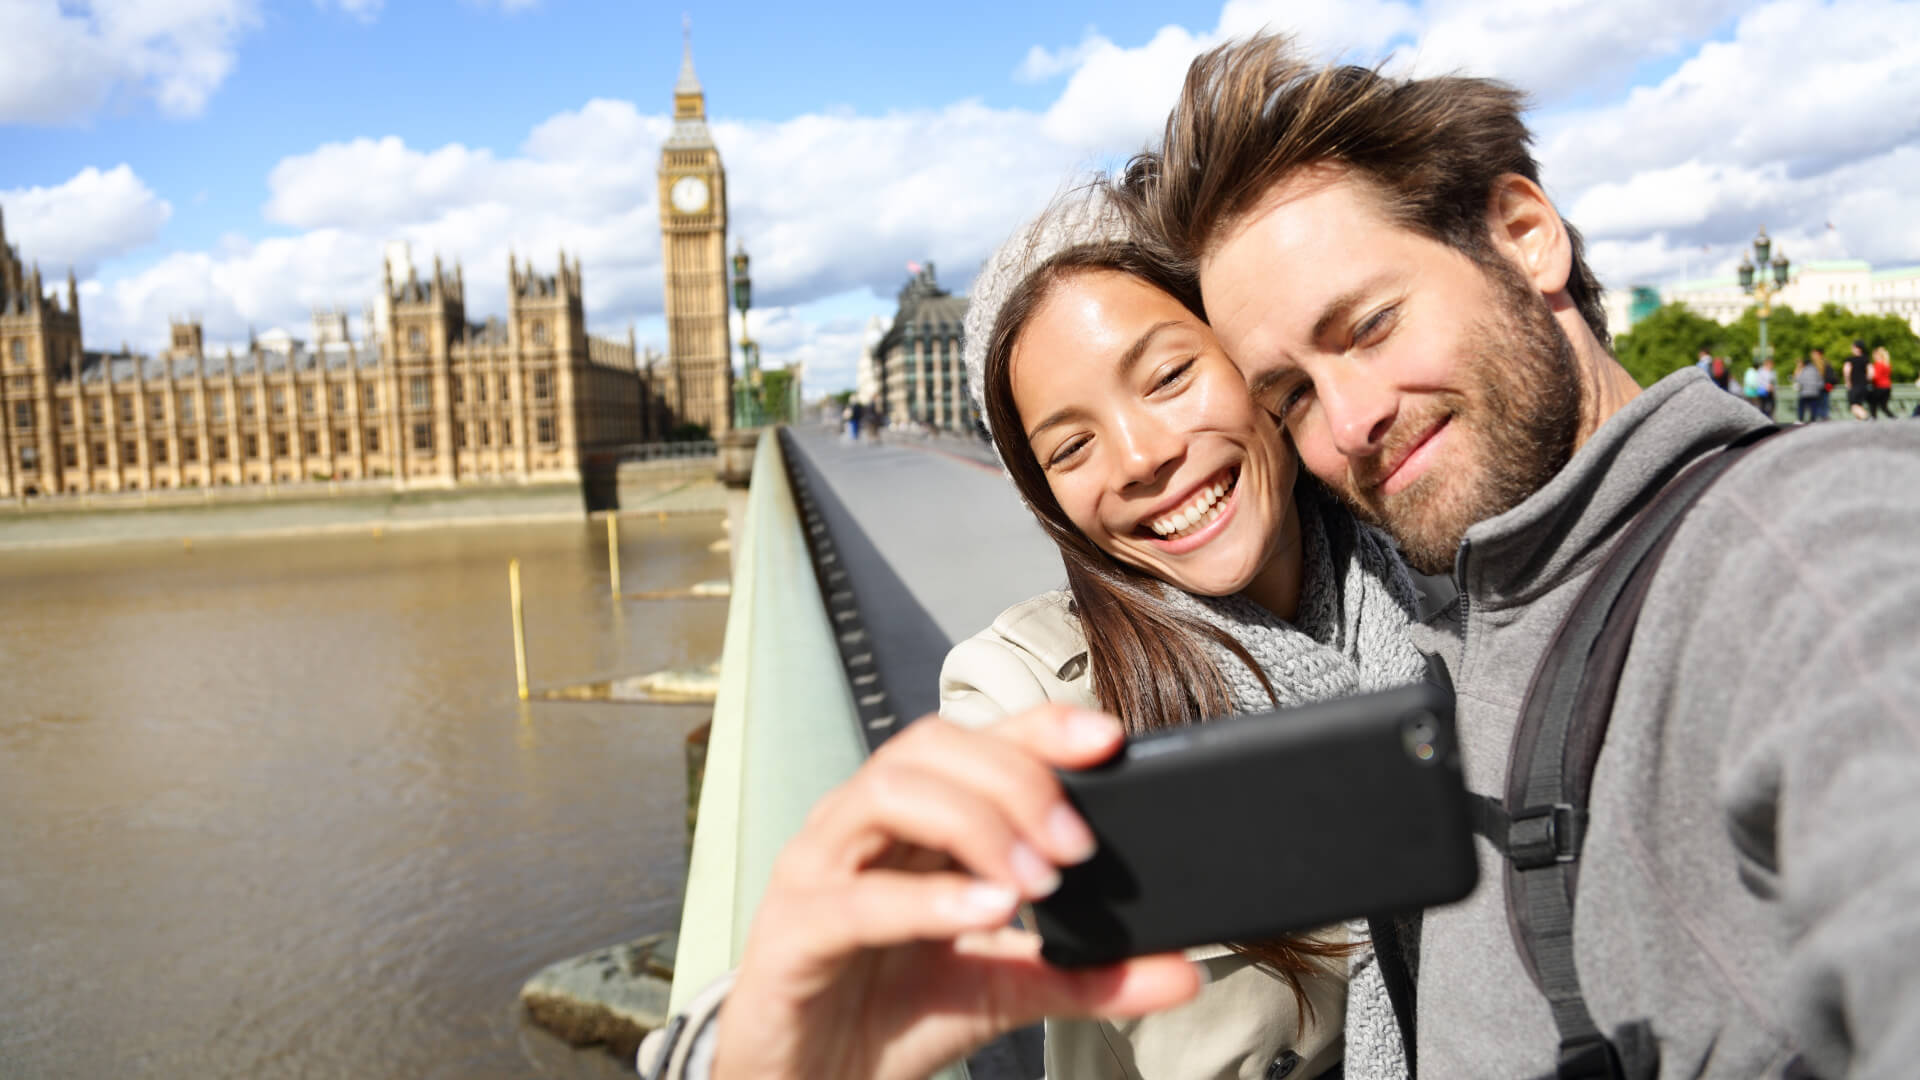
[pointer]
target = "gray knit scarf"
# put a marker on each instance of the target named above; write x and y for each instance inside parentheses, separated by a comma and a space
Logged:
(1349, 636)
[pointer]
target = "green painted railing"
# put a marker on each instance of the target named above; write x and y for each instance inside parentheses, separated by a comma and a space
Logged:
(785, 730)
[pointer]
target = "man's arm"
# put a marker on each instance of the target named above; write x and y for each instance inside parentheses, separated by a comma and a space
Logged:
(1820, 761)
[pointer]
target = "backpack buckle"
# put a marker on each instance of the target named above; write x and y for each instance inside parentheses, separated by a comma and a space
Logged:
(1541, 836)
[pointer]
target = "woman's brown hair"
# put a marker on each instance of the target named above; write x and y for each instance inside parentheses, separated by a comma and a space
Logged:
(1149, 664)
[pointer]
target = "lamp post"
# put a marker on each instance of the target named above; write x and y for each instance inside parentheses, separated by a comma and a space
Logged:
(1757, 285)
(746, 396)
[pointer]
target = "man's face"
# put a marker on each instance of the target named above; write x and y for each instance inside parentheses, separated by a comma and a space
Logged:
(1428, 392)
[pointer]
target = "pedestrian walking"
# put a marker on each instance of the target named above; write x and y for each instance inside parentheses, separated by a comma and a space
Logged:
(1880, 371)
(1808, 384)
(1759, 385)
(1859, 382)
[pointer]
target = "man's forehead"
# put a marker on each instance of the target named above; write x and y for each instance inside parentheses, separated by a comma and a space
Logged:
(1297, 200)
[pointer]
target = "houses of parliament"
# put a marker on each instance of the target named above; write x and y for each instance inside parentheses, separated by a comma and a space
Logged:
(426, 399)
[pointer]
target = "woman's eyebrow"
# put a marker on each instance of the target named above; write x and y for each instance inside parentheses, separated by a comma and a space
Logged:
(1125, 365)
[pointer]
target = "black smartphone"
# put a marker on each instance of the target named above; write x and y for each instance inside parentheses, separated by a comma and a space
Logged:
(1248, 827)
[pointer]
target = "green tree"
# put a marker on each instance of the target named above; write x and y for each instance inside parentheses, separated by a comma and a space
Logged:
(1668, 340)
(775, 385)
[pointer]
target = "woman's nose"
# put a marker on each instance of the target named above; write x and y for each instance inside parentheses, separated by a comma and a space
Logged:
(1146, 448)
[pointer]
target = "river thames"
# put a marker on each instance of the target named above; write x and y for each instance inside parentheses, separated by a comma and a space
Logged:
(272, 807)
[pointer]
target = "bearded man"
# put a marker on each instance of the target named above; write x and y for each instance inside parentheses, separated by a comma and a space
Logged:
(1378, 257)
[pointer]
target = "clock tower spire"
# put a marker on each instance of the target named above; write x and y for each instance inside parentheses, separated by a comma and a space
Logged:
(693, 246)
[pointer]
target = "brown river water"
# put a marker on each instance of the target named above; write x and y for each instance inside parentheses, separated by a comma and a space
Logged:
(271, 807)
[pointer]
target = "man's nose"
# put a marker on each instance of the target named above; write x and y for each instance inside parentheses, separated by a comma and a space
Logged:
(1359, 409)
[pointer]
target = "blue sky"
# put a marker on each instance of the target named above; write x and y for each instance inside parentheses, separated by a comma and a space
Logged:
(247, 159)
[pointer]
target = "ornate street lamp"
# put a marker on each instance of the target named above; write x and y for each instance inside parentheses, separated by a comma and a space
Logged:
(1753, 281)
(746, 395)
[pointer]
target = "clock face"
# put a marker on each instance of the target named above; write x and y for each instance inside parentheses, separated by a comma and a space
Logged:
(689, 194)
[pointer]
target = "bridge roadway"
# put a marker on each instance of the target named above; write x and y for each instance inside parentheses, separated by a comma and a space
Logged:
(935, 542)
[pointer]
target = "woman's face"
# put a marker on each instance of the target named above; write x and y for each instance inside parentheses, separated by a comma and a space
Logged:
(1147, 436)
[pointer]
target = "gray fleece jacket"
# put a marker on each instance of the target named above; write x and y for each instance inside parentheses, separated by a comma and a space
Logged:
(1751, 878)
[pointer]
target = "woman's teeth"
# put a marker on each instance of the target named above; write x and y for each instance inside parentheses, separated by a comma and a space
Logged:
(1202, 508)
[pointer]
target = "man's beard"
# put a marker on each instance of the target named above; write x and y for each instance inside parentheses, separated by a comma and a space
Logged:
(1513, 429)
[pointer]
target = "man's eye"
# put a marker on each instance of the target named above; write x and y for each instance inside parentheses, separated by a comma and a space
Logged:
(1374, 328)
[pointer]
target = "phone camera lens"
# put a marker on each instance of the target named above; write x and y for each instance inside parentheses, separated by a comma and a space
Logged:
(1421, 735)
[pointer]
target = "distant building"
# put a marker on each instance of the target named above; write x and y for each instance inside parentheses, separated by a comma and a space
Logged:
(693, 247)
(429, 400)
(866, 378)
(1851, 283)
(922, 378)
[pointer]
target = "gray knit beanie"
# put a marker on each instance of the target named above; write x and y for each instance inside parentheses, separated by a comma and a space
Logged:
(1085, 215)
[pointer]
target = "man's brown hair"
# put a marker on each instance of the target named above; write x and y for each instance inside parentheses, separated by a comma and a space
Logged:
(1253, 113)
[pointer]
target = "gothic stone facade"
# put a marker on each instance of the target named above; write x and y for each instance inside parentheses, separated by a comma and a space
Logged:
(438, 401)
(919, 375)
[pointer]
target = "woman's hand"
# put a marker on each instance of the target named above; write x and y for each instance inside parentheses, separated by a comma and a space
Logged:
(881, 949)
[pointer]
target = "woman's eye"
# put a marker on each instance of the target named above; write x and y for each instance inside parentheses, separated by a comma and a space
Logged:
(1174, 374)
(1067, 451)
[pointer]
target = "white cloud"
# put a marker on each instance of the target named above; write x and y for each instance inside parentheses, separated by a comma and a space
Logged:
(364, 10)
(59, 62)
(1669, 178)
(91, 218)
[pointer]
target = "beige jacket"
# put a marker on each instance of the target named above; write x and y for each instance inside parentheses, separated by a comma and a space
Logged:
(1245, 1023)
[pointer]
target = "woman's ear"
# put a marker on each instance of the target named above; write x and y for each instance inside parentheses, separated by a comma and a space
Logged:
(1527, 230)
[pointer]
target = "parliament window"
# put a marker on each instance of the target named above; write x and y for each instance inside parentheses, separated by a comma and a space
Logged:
(506, 433)
(23, 415)
(129, 453)
(252, 446)
(459, 436)
(126, 410)
(99, 455)
(423, 436)
(480, 389)
(506, 387)
(66, 414)
(546, 431)
(340, 441)
(279, 444)
(278, 396)
(414, 340)
(485, 434)
(246, 404)
(219, 448)
(30, 458)
(189, 449)
(539, 332)
(19, 351)
(157, 409)
(186, 408)
(458, 384)
(372, 441)
(542, 385)
(339, 399)
(371, 398)
(216, 404)
(419, 392)
(306, 400)
(96, 411)
(313, 442)
(159, 451)
(70, 456)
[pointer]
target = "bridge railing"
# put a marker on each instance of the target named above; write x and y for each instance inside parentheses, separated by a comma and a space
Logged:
(631, 453)
(786, 729)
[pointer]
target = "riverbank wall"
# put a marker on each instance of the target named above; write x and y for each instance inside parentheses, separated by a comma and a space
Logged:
(671, 487)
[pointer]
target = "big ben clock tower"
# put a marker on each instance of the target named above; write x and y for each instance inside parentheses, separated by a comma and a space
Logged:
(693, 246)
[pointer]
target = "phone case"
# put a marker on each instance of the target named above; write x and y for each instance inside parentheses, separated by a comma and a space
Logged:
(1249, 827)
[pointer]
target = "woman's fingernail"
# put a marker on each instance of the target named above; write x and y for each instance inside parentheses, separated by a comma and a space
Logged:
(986, 900)
(1070, 834)
(1037, 876)
(1092, 729)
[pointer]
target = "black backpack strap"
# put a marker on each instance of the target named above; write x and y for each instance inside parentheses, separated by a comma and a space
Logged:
(1541, 826)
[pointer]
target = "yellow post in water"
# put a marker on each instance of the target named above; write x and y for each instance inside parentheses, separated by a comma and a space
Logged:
(613, 552)
(519, 627)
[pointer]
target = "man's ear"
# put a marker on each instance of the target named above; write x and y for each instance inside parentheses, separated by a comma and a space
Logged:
(1527, 229)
